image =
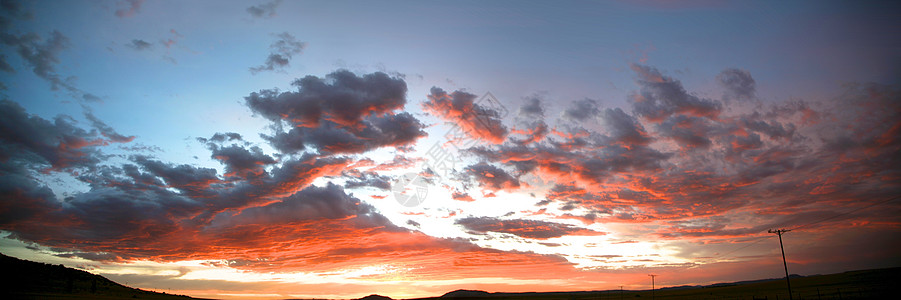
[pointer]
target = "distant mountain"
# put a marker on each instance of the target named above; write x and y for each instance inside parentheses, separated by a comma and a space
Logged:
(30, 280)
(466, 294)
(375, 297)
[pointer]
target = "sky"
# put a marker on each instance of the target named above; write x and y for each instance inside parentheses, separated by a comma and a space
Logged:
(336, 149)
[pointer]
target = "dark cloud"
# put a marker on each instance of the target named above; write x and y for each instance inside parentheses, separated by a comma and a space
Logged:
(531, 116)
(191, 180)
(342, 113)
(709, 227)
(5, 66)
(139, 45)
(128, 8)
(624, 128)
(42, 55)
(531, 229)
(738, 84)
(459, 107)
(661, 96)
(241, 161)
(36, 142)
(582, 110)
(366, 178)
(282, 51)
(461, 196)
(22, 198)
(311, 203)
(221, 137)
(264, 10)
(531, 108)
(689, 132)
(105, 130)
(492, 177)
(772, 129)
(144, 209)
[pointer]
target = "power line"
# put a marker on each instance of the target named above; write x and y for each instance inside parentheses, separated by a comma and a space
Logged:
(762, 238)
(848, 212)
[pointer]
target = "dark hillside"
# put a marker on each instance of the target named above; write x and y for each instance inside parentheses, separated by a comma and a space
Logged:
(32, 280)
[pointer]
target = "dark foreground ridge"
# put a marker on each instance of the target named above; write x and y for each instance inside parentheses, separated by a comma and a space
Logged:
(32, 280)
(865, 284)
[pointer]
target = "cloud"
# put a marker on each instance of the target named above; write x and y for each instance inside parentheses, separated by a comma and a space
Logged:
(582, 110)
(460, 196)
(341, 113)
(282, 51)
(264, 10)
(623, 128)
(174, 37)
(105, 130)
(703, 161)
(127, 203)
(241, 161)
(531, 115)
(32, 141)
(128, 8)
(366, 178)
(248, 163)
(689, 132)
(5, 66)
(661, 96)
(531, 108)
(311, 203)
(531, 229)
(139, 45)
(738, 84)
(492, 177)
(23, 199)
(691, 171)
(459, 107)
(42, 55)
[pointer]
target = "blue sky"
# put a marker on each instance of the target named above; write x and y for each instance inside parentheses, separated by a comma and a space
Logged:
(665, 124)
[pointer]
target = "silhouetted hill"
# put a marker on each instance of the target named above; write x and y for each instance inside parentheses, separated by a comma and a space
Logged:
(466, 294)
(375, 297)
(32, 280)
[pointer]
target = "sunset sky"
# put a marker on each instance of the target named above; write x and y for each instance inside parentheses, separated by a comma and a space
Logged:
(336, 149)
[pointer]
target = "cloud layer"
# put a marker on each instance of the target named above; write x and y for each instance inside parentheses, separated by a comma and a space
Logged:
(676, 168)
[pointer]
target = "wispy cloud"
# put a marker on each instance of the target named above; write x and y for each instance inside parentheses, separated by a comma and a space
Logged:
(128, 8)
(283, 50)
(264, 10)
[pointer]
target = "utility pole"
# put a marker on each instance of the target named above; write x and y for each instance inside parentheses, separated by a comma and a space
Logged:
(620, 292)
(784, 264)
(652, 284)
